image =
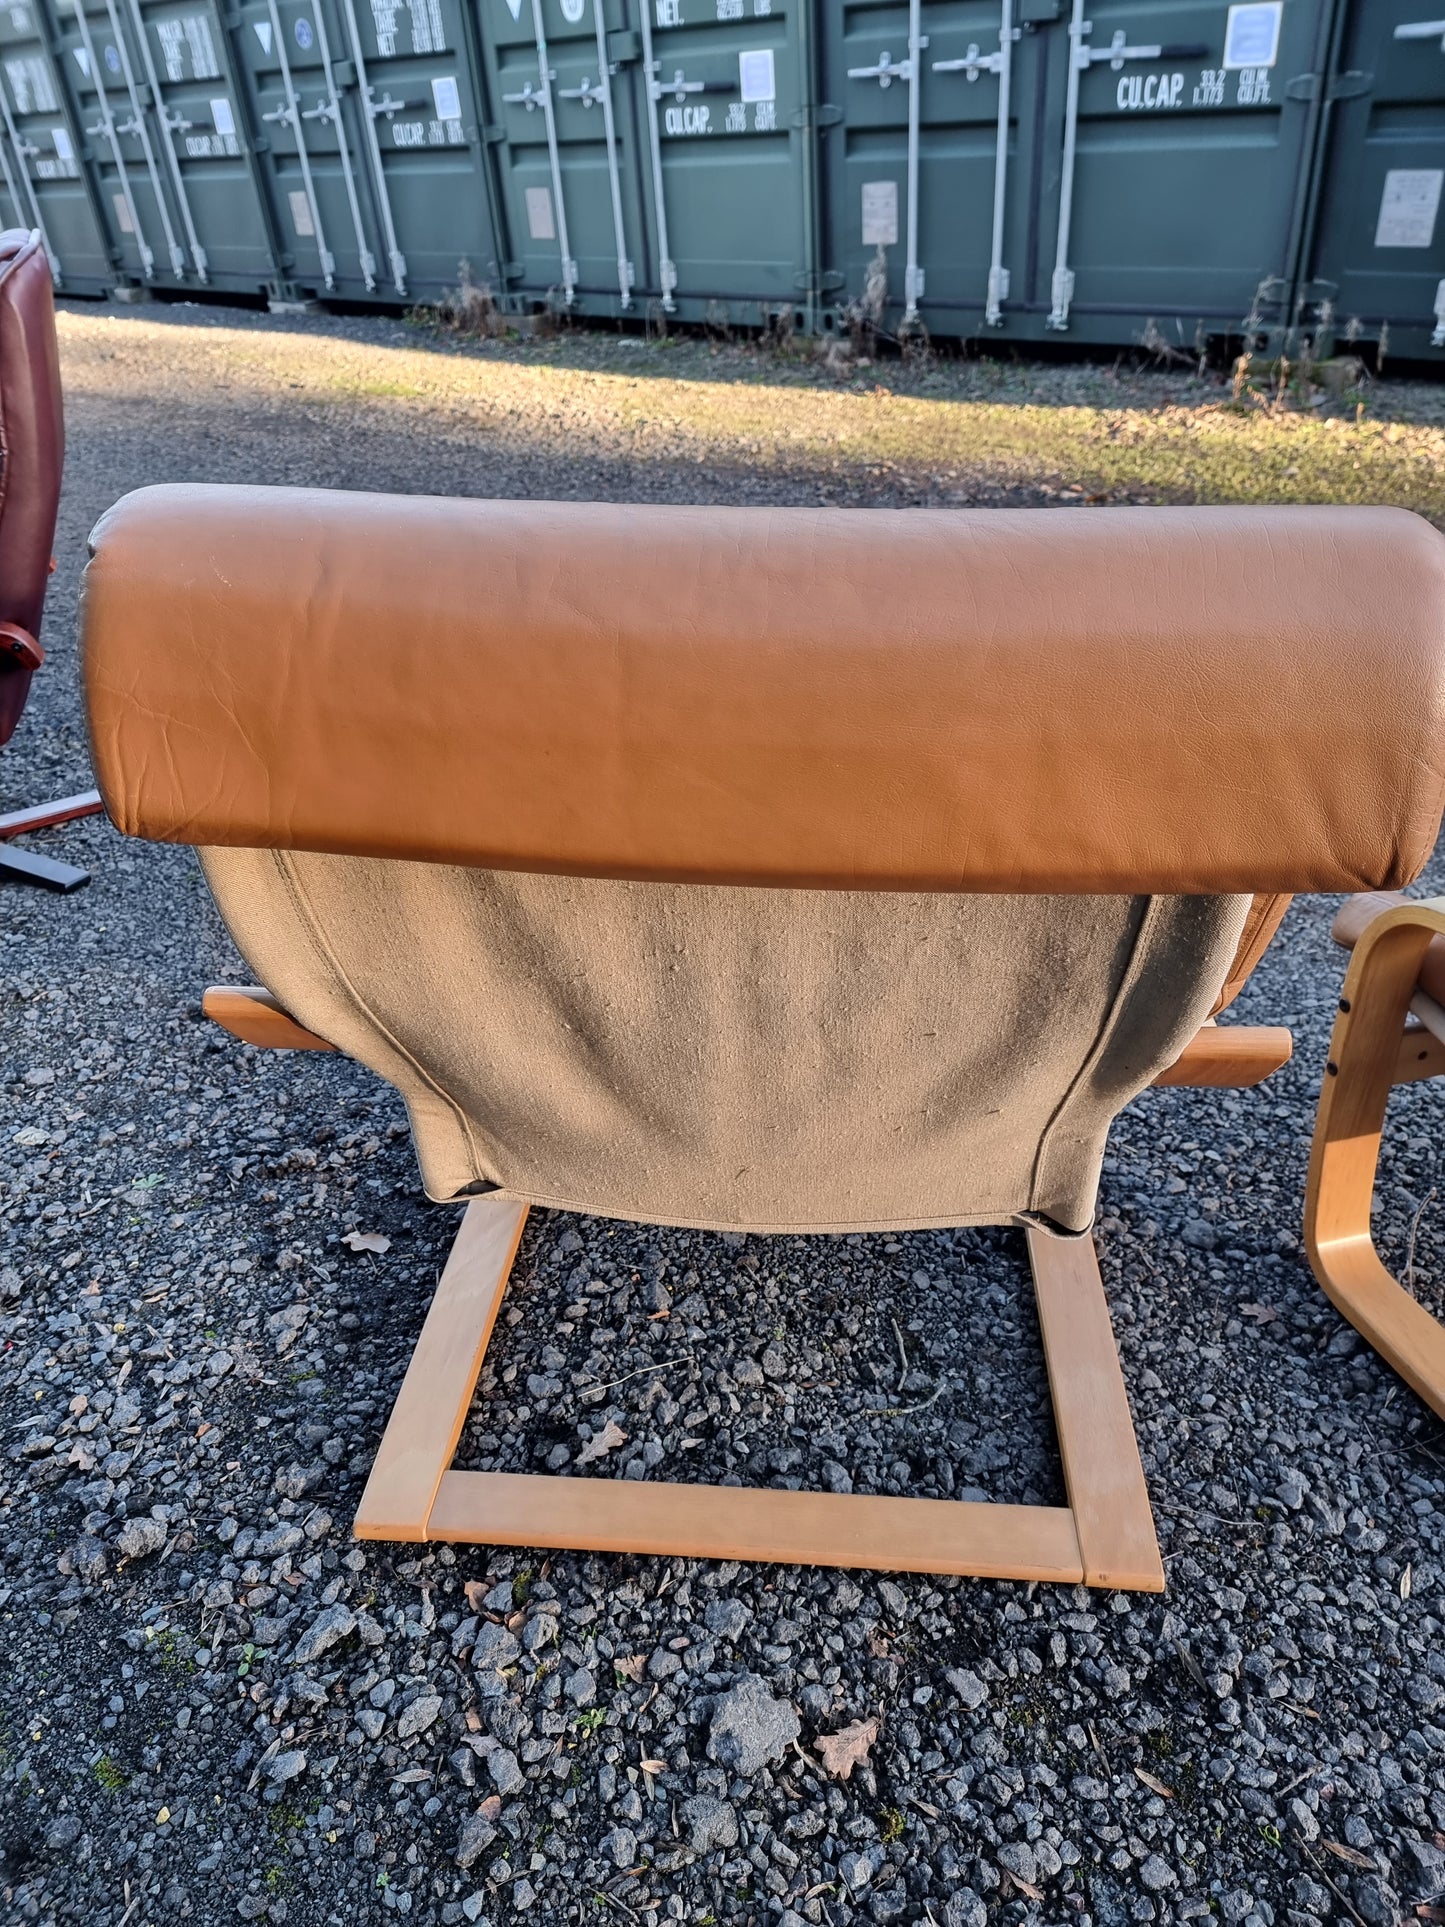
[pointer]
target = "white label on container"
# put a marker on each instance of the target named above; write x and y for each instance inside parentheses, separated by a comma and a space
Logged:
(122, 214)
(756, 78)
(448, 98)
(540, 224)
(572, 11)
(1408, 207)
(223, 117)
(31, 85)
(301, 213)
(263, 34)
(204, 64)
(1251, 38)
(514, 7)
(880, 214)
(82, 60)
(64, 146)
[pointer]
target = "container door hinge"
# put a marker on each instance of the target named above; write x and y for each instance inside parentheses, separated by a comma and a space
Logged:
(828, 282)
(623, 44)
(824, 114)
(493, 135)
(1350, 86)
(1302, 87)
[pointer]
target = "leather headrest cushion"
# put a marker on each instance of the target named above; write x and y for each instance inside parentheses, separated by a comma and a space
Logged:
(1130, 700)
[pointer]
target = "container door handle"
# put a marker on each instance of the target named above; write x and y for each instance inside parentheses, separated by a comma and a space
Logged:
(971, 66)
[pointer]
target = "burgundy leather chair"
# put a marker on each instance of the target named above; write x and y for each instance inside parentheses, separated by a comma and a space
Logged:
(32, 450)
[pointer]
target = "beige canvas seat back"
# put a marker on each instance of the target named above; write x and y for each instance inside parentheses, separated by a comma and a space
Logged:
(763, 868)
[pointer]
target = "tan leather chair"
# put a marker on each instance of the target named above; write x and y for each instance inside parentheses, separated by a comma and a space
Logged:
(32, 451)
(765, 869)
(1390, 1029)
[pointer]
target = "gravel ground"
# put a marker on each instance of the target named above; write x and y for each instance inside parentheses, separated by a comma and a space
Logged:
(214, 1706)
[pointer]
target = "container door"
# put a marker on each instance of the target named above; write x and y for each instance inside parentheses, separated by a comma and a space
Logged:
(570, 155)
(42, 182)
(1181, 165)
(1379, 262)
(375, 139)
(924, 196)
(193, 109)
(143, 232)
(723, 93)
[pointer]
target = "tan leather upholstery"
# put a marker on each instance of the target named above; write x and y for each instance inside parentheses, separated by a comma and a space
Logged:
(1186, 701)
(32, 451)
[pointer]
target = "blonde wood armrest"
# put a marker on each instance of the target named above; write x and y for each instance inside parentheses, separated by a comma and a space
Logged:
(253, 1015)
(1229, 1056)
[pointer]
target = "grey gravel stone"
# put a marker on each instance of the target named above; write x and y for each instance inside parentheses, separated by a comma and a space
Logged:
(138, 1538)
(286, 1766)
(64, 1830)
(968, 1686)
(476, 1836)
(505, 1769)
(1017, 1857)
(749, 1727)
(326, 1630)
(710, 1823)
(619, 1846)
(416, 1718)
(1156, 1874)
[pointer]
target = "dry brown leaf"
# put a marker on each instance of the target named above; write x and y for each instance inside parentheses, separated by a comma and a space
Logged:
(1154, 1786)
(840, 1752)
(476, 1591)
(603, 1442)
(1405, 1583)
(631, 1665)
(1266, 1314)
(1350, 1855)
(1024, 1886)
(877, 1646)
(653, 1766)
(367, 1241)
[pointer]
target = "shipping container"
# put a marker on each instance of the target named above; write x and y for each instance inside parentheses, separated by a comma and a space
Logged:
(1128, 171)
(45, 182)
(374, 141)
(1164, 173)
(1375, 269)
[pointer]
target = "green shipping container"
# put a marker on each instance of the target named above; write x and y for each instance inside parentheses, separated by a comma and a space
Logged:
(42, 172)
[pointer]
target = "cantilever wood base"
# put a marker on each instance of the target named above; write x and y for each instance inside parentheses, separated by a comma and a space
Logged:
(1103, 1537)
(1371, 1049)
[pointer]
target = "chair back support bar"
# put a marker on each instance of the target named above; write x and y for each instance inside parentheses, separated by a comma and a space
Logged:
(1168, 701)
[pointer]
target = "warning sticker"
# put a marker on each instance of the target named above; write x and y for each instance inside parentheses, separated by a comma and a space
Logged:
(756, 78)
(222, 115)
(1251, 37)
(64, 146)
(122, 214)
(301, 213)
(540, 224)
(447, 96)
(1408, 207)
(880, 214)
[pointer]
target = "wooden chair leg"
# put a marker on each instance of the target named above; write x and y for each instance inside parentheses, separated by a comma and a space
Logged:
(1104, 1536)
(1370, 1050)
